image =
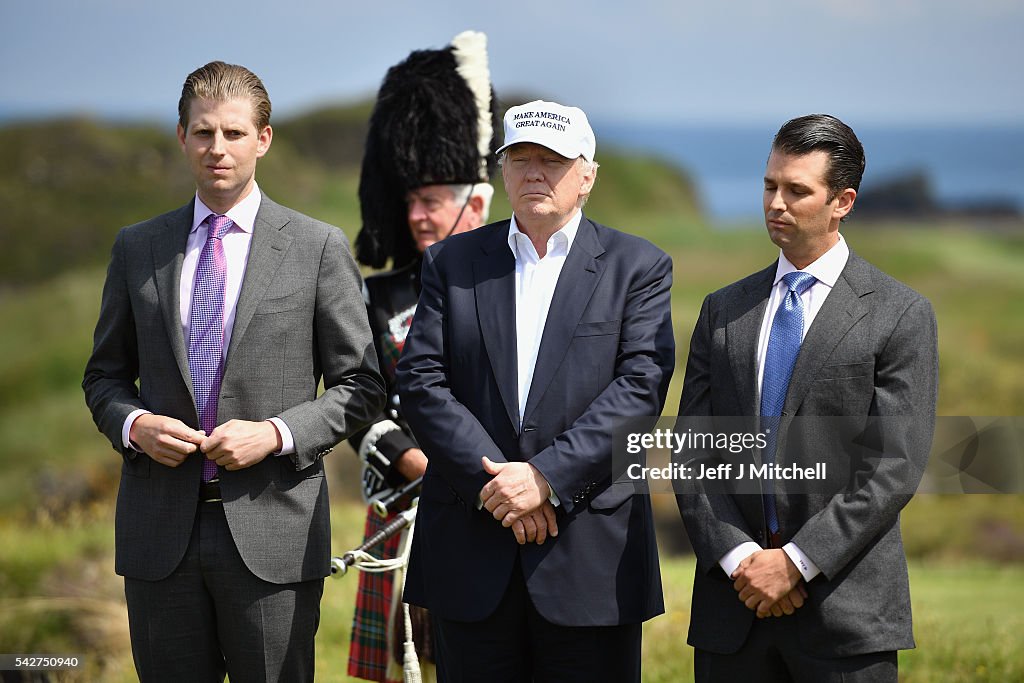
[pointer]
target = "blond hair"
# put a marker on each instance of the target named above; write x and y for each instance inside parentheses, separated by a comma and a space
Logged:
(221, 82)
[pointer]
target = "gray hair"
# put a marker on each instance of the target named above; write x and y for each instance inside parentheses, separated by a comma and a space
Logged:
(462, 193)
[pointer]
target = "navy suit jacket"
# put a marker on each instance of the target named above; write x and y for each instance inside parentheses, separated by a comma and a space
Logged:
(607, 351)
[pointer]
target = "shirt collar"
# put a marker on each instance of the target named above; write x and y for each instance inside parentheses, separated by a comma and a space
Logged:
(826, 268)
(242, 214)
(566, 235)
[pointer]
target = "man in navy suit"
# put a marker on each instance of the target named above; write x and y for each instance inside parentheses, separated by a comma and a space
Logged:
(531, 336)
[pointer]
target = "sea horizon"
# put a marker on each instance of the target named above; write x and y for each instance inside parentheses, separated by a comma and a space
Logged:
(964, 164)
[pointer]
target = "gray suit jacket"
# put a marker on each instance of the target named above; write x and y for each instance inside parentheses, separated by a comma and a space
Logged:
(871, 351)
(300, 317)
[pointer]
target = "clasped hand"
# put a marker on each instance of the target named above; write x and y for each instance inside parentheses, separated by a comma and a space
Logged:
(234, 445)
(517, 497)
(769, 583)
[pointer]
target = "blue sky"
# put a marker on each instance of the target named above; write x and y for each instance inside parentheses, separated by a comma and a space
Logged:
(908, 62)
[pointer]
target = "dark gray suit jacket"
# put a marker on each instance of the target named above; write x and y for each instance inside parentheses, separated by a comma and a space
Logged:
(871, 351)
(606, 352)
(300, 317)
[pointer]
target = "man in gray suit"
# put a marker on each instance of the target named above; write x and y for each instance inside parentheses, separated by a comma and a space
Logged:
(218, 321)
(820, 332)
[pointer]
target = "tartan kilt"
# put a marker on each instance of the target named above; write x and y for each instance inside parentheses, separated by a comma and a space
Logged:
(368, 656)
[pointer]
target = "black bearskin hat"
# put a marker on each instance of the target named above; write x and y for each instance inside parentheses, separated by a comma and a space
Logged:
(435, 122)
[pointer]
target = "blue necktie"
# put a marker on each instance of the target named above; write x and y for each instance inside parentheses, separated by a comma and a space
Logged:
(783, 347)
(206, 329)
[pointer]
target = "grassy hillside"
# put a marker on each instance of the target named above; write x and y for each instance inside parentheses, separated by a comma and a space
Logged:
(68, 185)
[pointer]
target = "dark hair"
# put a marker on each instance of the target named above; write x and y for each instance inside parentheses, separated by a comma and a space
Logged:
(220, 82)
(825, 133)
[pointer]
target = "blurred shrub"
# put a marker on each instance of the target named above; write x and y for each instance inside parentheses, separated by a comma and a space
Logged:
(67, 185)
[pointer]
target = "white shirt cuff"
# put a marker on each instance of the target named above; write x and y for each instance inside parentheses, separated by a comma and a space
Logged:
(732, 559)
(553, 497)
(126, 429)
(806, 566)
(287, 440)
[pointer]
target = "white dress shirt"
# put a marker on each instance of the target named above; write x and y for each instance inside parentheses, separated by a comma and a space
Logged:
(826, 269)
(236, 255)
(535, 286)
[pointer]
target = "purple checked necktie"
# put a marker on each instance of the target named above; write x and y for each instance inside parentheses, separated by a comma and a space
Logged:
(206, 329)
(783, 347)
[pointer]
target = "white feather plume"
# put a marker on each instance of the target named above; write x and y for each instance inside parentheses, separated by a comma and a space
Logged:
(470, 50)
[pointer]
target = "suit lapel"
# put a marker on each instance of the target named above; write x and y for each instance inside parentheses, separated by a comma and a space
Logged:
(168, 249)
(494, 276)
(741, 334)
(840, 311)
(576, 284)
(266, 251)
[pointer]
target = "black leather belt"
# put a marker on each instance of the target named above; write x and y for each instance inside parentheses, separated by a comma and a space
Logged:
(209, 491)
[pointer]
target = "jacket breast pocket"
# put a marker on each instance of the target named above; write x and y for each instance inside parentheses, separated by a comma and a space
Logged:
(831, 371)
(842, 389)
(596, 329)
(279, 304)
(591, 358)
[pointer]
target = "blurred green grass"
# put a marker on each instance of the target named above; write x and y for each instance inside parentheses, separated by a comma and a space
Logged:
(60, 596)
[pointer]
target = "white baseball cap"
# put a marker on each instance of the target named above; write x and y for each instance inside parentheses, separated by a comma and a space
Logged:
(561, 129)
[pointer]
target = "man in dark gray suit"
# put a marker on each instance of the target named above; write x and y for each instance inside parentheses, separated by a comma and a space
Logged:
(218, 321)
(820, 332)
